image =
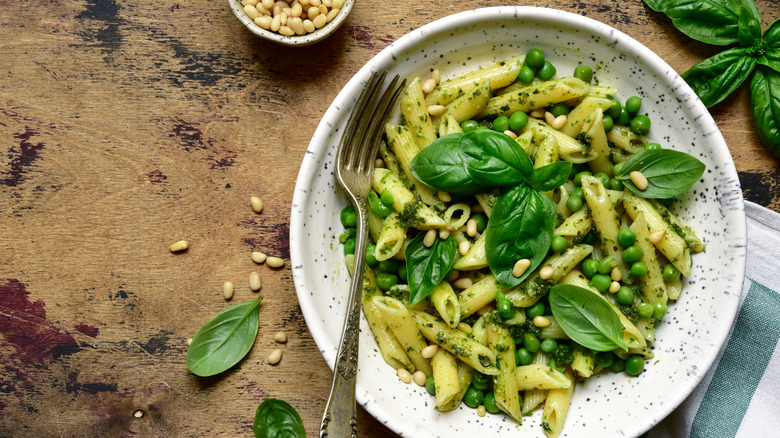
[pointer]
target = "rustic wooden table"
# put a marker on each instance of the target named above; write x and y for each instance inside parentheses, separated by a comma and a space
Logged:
(125, 126)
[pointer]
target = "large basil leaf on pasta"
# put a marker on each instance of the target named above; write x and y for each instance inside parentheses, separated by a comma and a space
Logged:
(441, 167)
(586, 317)
(426, 266)
(520, 227)
(493, 159)
(551, 176)
(669, 173)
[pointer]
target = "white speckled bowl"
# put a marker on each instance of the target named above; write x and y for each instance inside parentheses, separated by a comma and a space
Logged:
(609, 405)
(295, 40)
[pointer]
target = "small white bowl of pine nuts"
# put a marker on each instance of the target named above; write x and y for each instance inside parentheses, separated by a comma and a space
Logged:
(292, 22)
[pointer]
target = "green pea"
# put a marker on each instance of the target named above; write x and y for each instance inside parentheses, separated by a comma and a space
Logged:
(547, 71)
(616, 184)
(670, 273)
(605, 359)
(603, 177)
(473, 397)
(577, 191)
(430, 385)
(531, 343)
(635, 364)
(625, 296)
(481, 221)
(633, 254)
(349, 246)
(377, 207)
(652, 146)
(501, 123)
(559, 109)
(505, 308)
(644, 310)
(385, 281)
(614, 110)
(348, 217)
(469, 125)
(534, 58)
(574, 203)
(583, 73)
(537, 309)
(389, 266)
(590, 267)
(371, 255)
(386, 197)
(489, 402)
(526, 74)
(601, 282)
(608, 122)
(402, 273)
(626, 237)
(624, 118)
(481, 381)
(659, 309)
(549, 345)
(559, 244)
(523, 356)
(619, 365)
(633, 104)
(640, 124)
(578, 177)
(638, 269)
(606, 264)
(518, 120)
(616, 168)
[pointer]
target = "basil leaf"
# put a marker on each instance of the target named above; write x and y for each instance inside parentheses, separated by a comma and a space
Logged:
(715, 78)
(275, 418)
(586, 318)
(493, 159)
(224, 340)
(669, 173)
(427, 267)
(749, 32)
(520, 227)
(440, 166)
(709, 21)
(550, 176)
(765, 97)
(772, 34)
(771, 59)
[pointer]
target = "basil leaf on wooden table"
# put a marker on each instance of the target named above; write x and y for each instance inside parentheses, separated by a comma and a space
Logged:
(709, 21)
(715, 78)
(586, 317)
(765, 95)
(520, 227)
(275, 418)
(550, 176)
(224, 340)
(749, 32)
(426, 267)
(669, 173)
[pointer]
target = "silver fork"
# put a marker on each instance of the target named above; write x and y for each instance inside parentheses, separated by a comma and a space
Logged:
(354, 164)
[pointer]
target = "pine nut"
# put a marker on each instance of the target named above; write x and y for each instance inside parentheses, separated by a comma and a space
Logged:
(304, 2)
(471, 227)
(436, 110)
(541, 321)
(464, 247)
(251, 12)
(319, 21)
(616, 274)
(274, 357)
(262, 10)
(227, 290)
(316, 3)
(258, 257)
(181, 245)
(436, 76)
(549, 118)
(511, 134)
(277, 11)
(378, 163)
(332, 14)
(546, 273)
(327, 3)
(430, 351)
(254, 281)
(428, 86)
(559, 121)
(614, 287)
(296, 10)
(463, 283)
(189, 341)
(453, 276)
(444, 234)
(280, 337)
(323, 10)
(248, 2)
(465, 328)
(284, 17)
(481, 410)
(268, 4)
(537, 113)
(274, 262)
(430, 238)
(639, 180)
(404, 375)
(520, 267)
(657, 236)
(338, 4)
(444, 196)
(308, 26)
(276, 23)
(419, 378)
(264, 21)
(313, 12)
(296, 24)
(256, 203)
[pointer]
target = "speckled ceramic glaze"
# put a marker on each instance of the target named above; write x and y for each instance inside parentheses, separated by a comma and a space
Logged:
(295, 40)
(609, 405)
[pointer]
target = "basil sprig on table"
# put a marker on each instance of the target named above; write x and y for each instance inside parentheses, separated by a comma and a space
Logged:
(737, 22)
(275, 418)
(427, 267)
(523, 219)
(669, 173)
(225, 339)
(586, 318)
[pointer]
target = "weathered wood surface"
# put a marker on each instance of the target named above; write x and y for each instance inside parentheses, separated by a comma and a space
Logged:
(125, 126)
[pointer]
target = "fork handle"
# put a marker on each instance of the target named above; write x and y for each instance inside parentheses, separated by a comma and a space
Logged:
(340, 418)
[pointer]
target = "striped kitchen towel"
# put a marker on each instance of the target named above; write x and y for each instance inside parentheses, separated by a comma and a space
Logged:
(740, 395)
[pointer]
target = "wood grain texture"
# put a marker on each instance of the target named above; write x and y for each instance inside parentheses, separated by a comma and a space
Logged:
(125, 126)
